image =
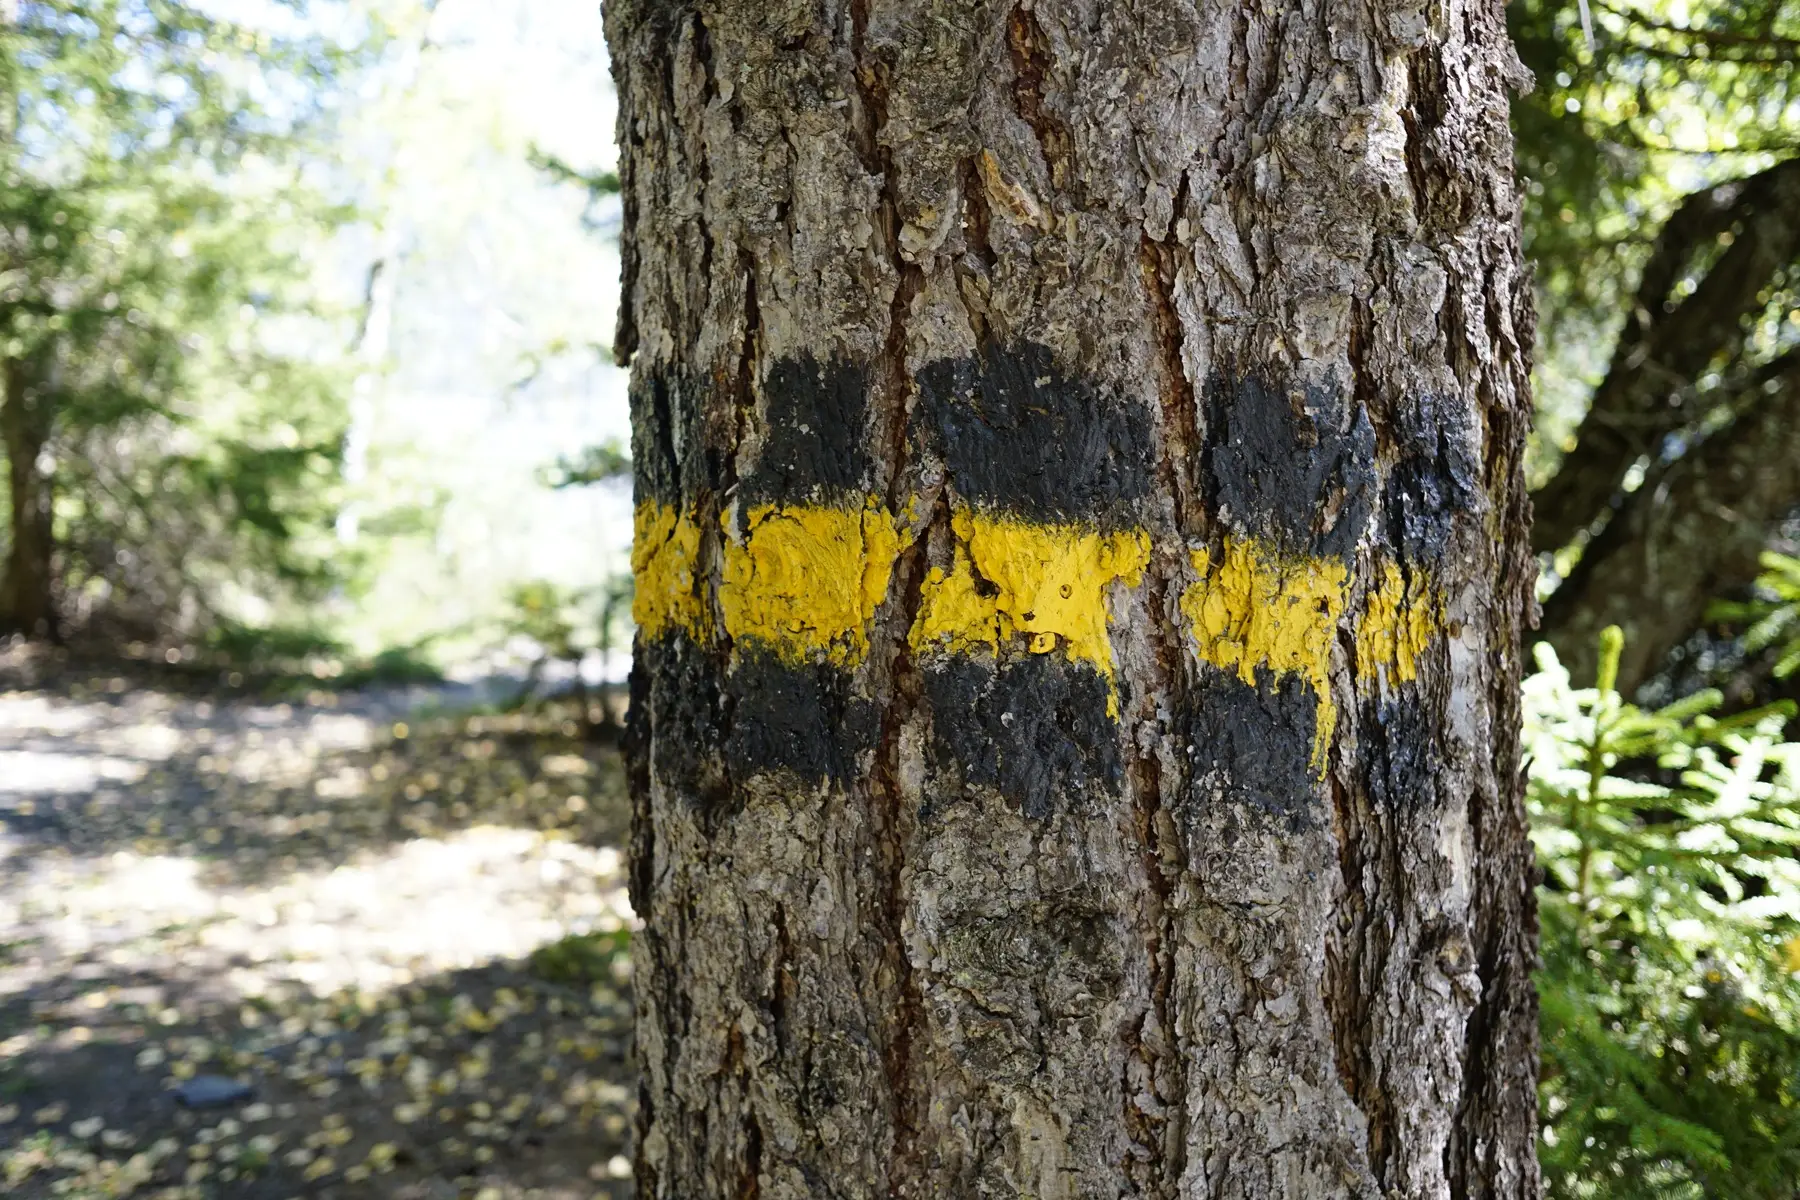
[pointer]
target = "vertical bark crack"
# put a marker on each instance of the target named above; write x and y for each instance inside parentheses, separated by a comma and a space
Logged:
(904, 691)
(1030, 48)
(1161, 1129)
(890, 373)
(891, 387)
(972, 283)
(1354, 952)
(1359, 947)
(748, 1174)
(703, 58)
(1180, 411)
(1164, 1134)
(750, 1181)
(744, 386)
(739, 383)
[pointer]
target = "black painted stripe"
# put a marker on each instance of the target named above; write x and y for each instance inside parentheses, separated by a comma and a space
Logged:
(1033, 728)
(1435, 477)
(1019, 435)
(1294, 470)
(808, 719)
(1252, 743)
(1016, 435)
(706, 726)
(815, 439)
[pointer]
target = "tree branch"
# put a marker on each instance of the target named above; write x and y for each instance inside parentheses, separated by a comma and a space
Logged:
(1686, 535)
(1722, 44)
(1665, 346)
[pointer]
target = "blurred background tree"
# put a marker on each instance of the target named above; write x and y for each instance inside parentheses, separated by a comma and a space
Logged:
(493, 283)
(1658, 151)
(299, 301)
(173, 434)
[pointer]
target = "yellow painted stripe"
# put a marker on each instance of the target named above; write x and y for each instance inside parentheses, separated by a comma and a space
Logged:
(806, 581)
(1399, 620)
(665, 552)
(1014, 579)
(1255, 608)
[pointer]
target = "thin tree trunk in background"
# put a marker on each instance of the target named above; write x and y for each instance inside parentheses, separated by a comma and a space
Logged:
(1671, 339)
(1691, 533)
(1081, 552)
(27, 603)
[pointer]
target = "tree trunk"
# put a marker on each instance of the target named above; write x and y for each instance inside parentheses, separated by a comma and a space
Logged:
(1690, 534)
(27, 603)
(1670, 340)
(1081, 551)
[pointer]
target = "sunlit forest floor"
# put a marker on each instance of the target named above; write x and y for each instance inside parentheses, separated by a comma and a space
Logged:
(406, 933)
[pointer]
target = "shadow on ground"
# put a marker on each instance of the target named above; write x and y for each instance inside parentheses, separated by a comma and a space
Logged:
(482, 1078)
(341, 904)
(252, 789)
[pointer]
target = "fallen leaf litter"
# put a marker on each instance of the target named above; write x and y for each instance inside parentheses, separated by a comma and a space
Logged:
(315, 949)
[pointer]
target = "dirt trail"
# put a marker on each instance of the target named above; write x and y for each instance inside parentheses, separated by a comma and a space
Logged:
(404, 933)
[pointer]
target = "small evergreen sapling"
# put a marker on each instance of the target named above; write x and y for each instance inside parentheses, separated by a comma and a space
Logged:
(1670, 910)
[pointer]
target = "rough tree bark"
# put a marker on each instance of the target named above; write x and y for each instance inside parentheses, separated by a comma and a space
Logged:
(27, 601)
(1081, 552)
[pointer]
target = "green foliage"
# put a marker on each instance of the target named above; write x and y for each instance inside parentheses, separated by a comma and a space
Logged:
(583, 958)
(395, 664)
(1666, 99)
(567, 622)
(595, 464)
(547, 614)
(1773, 616)
(160, 232)
(1670, 937)
(305, 657)
(271, 648)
